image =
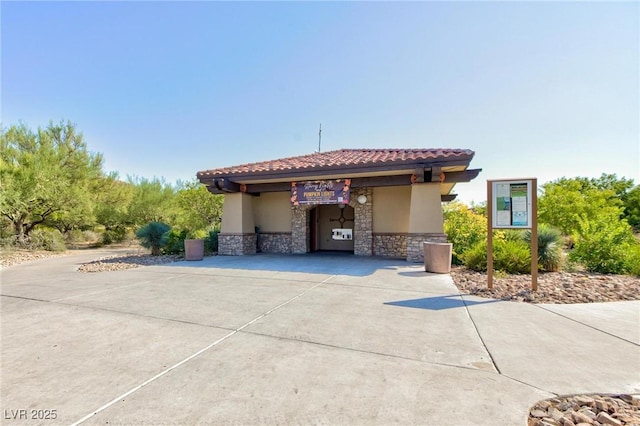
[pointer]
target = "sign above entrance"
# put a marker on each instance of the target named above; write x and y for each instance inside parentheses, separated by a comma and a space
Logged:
(320, 192)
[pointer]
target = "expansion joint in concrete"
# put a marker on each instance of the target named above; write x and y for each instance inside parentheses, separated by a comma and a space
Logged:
(587, 325)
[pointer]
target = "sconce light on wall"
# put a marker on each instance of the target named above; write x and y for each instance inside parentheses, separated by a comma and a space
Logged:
(362, 199)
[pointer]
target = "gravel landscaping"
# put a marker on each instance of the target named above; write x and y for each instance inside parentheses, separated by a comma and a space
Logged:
(586, 410)
(117, 263)
(553, 287)
(14, 257)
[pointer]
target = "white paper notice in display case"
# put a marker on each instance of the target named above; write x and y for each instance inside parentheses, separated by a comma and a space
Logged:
(512, 204)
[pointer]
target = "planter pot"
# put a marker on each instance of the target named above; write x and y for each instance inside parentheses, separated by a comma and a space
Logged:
(193, 249)
(437, 257)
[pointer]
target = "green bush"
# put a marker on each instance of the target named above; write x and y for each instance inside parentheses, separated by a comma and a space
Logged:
(90, 237)
(114, 235)
(476, 257)
(603, 246)
(549, 247)
(46, 239)
(175, 242)
(464, 229)
(75, 236)
(509, 256)
(154, 236)
(632, 264)
(211, 242)
(198, 234)
(512, 256)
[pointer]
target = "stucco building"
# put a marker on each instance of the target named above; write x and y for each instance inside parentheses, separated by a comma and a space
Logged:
(380, 202)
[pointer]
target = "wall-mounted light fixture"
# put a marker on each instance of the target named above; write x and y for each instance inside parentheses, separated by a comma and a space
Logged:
(362, 199)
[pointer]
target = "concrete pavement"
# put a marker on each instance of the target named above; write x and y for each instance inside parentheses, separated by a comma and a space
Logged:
(321, 339)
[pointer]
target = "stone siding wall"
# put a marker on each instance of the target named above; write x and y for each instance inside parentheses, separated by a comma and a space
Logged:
(230, 244)
(390, 244)
(299, 229)
(274, 242)
(363, 224)
(415, 249)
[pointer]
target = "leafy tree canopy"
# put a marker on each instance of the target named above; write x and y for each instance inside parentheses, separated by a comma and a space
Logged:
(45, 175)
(567, 203)
(195, 208)
(151, 201)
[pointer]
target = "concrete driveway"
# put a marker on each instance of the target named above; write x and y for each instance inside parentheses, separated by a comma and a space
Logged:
(319, 339)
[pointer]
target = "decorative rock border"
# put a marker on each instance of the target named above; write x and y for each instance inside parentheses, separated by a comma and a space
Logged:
(121, 262)
(553, 287)
(586, 410)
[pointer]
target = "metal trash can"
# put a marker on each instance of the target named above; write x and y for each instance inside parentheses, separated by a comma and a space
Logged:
(437, 257)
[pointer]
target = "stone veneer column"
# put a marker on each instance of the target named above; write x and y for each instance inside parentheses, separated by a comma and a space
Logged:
(299, 229)
(415, 249)
(363, 222)
(236, 244)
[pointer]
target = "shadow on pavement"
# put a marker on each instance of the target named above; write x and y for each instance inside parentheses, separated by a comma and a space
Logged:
(438, 303)
(327, 263)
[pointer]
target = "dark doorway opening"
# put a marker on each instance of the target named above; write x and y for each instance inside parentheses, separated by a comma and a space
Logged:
(327, 223)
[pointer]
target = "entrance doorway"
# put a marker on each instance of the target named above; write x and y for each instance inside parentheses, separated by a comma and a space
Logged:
(326, 218)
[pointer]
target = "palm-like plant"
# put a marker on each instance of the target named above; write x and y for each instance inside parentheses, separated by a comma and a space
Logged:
(154, 236)
(549, 247)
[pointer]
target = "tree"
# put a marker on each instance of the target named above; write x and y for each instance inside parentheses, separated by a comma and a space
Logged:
(44, 174)
(568, 203)
(632, 207)
(113, 201)
(196, 208)
(592, 212)
(151, 201)
(464, 229)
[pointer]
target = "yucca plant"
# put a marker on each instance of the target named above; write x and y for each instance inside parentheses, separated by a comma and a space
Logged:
(154, 236)
(549, 247)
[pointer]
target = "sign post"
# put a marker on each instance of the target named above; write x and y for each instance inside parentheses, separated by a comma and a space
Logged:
(513, 204)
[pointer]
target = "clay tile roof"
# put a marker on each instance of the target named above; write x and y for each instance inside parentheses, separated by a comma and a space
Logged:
(342, 158)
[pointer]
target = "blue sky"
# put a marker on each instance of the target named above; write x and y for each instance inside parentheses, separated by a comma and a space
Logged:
(542, 89)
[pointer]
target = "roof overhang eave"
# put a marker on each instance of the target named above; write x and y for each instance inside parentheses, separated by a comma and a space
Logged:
(362, 169)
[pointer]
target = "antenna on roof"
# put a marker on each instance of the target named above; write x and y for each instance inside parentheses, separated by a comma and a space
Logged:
(320, 138)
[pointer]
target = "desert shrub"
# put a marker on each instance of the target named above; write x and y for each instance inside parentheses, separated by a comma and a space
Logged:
(175, 242)
(512, 256)
(509, 256)
(114, 235)
(603, 246)
(90, 236)
(464, 229)
(74, 236)
(211, 242)
(632, 264)
(549, 247)
(476, 257)
(153, 236)
(46, 239)
(198, 234)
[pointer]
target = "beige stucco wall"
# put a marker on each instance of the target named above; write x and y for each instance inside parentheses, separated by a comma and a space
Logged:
(237, 213)
(391, 207)
(426, 210)
(272, 212)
